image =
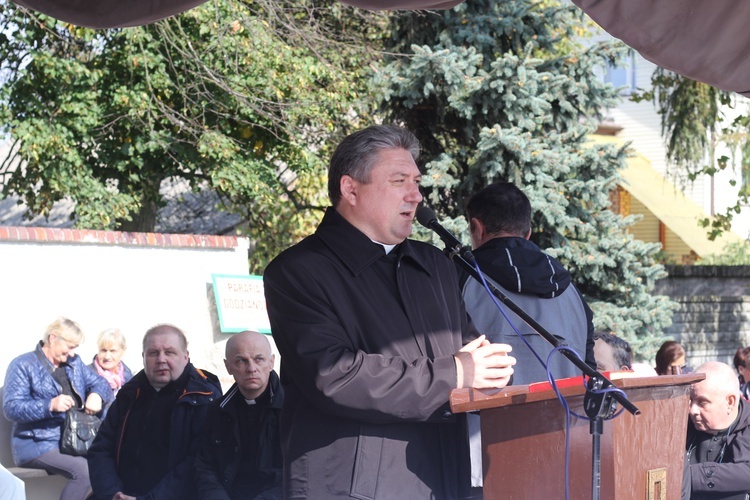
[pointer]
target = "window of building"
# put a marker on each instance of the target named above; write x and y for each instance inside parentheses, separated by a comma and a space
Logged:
(623, 76)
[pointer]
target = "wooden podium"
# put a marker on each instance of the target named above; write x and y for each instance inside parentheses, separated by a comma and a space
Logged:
(523, 441)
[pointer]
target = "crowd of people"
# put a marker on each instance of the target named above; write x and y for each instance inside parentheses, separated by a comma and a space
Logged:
(375, 329)
(166, 432)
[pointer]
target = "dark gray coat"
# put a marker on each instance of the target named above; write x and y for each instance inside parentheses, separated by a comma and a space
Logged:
(729, 479)
(367, 343)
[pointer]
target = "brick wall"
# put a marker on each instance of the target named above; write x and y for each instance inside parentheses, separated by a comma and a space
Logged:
(713, 318)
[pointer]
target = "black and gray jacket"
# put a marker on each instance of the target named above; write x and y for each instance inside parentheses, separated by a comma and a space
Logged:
(542, 288)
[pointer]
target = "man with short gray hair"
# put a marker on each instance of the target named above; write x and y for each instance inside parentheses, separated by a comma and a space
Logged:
(373, 337)
(154, 429)
(718, 440)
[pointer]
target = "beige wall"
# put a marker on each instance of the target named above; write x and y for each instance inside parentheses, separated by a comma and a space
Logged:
(110, 279)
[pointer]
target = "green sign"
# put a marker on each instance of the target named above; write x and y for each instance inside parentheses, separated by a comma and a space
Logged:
(241, 303)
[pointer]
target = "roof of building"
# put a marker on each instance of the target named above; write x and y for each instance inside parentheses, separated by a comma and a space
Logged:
(668, 203)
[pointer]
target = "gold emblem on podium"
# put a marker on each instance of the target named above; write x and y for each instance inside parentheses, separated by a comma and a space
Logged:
(656, 484)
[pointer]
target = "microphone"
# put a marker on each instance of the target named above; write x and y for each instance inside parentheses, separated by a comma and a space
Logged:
(426, 216)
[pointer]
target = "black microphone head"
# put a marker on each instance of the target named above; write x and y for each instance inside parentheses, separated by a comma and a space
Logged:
(426, 215)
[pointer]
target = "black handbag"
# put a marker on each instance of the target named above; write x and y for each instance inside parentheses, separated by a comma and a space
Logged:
(80, 428)
(78, 432)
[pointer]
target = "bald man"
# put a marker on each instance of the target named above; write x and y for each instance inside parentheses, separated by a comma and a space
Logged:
(241, 457)
(718, 439)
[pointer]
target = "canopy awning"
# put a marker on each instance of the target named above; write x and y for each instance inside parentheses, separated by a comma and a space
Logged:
(704, 40)
(124, 13)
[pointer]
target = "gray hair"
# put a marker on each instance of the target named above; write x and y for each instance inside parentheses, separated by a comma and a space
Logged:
(111, 336)
(356, 155)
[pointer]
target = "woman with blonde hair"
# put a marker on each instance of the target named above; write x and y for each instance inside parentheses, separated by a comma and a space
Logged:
(40, 386)
(108, 363)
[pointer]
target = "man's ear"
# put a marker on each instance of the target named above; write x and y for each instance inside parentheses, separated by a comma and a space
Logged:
(478, 232)
(476, 227)
(348, 187)
(226, 365)
(732, 401)
(528, 235)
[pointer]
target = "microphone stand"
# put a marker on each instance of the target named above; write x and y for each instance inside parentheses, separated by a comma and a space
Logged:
(597, 405)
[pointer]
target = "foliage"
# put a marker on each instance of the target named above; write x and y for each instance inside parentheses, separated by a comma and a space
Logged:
(497, 91)
(693, 126)
(734, 254)
(239, 98)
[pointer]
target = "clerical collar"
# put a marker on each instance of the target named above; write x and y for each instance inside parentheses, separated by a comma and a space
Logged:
(263, 398)
(387, 248)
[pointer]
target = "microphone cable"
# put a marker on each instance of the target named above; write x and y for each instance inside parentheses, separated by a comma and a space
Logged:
(550, 377)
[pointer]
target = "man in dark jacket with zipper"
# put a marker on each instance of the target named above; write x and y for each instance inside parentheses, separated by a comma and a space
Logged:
(241, 456)
(148, 441)
(500, 227)
(373, 336)
(718, 438)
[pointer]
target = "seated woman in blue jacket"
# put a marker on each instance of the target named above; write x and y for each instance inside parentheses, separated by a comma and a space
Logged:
(40, 386)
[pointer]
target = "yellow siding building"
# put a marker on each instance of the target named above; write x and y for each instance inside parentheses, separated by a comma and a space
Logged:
(668, 216)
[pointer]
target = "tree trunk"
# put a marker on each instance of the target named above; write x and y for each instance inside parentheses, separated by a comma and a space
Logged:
(144, 220)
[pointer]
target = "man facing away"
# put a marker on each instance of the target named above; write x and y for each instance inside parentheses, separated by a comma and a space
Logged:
(153, 431)
(370, 327)
(241, 456)
(500, 227)
(718, 438)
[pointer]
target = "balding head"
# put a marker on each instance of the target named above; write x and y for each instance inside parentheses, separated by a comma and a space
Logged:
(165, 354)
(166, 328)
(250, 361)
(714, 401)
(238, 340)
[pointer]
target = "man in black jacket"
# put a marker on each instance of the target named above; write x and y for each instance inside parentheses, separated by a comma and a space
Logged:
(500, 225)
(146, 445)
(718, 439)
(373, 336)
(241, 456)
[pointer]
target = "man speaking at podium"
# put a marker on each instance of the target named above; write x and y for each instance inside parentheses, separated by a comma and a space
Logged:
(373, 336)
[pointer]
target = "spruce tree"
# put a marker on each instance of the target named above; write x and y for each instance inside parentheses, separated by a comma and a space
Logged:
(502, 91)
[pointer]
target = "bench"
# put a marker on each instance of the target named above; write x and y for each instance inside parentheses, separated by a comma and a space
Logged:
(40, 485)
(24, 473)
